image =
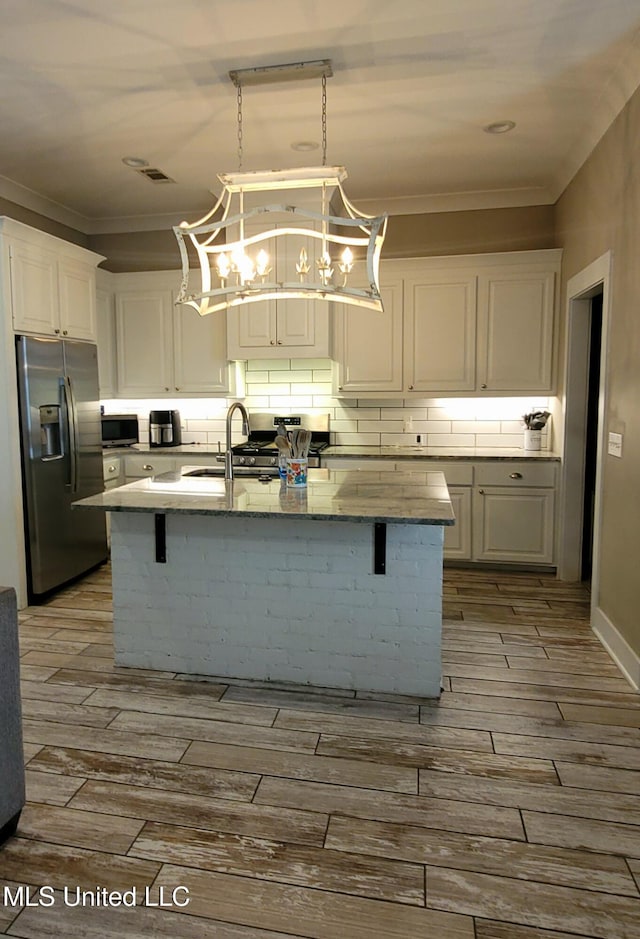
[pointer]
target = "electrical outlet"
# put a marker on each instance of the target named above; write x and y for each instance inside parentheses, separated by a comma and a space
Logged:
(615, 445)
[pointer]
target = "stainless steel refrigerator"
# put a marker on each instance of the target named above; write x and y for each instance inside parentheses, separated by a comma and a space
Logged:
(61, 443)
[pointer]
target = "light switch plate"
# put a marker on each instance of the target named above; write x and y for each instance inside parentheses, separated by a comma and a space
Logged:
(615, 445)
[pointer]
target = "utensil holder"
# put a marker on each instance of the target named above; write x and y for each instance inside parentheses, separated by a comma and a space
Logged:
(532, 440)
(297, 472)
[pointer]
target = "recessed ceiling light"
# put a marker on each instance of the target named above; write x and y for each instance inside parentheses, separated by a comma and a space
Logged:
(303, 146)
(136, 162)
(499, 127)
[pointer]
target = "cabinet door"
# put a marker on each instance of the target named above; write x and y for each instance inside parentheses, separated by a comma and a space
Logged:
(513, 524)
(145, 343)
(516, 332)
(105, 322)
(34, 290)
(77, 285)
(200, 351)
(369, 344)
(440, 332)
(457, 538)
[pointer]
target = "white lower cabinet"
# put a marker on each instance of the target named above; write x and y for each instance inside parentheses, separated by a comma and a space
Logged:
(513, 512)
(505, 510)
(140, 465)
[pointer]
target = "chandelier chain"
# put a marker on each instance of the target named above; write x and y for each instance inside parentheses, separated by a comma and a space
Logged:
(324, 119)
(239, 99)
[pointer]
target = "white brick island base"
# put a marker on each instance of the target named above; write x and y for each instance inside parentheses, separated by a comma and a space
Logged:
(291, 600)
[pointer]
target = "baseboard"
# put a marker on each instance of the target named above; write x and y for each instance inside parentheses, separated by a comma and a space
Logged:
(617, 646)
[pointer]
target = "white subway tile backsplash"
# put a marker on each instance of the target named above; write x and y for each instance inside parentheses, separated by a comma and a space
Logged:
(305, 385)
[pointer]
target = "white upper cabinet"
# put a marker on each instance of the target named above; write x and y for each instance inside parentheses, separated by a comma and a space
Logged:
(440, 332)
(470, 325)
(271, 329)
(107, 376)
(516, 331)
(368, 344)
(164, 349)
(53, 284)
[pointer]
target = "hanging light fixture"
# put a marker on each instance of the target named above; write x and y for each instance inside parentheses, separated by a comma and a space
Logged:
(231, 240)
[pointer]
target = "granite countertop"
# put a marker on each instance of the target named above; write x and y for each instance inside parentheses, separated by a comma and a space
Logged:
(380, 453)
(418, 498)
(439, 453)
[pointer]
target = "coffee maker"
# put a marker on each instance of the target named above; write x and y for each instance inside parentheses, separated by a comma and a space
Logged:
(164, 429)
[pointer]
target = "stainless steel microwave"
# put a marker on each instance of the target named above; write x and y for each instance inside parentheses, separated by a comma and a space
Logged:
(119, 430)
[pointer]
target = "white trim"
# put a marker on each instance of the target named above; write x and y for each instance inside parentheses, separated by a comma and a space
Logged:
(579, 287)
(617, 646)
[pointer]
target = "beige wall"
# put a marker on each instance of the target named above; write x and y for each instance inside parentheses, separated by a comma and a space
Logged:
(477, 232)
(600, 211)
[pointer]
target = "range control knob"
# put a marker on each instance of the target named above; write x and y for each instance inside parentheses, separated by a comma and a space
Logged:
(252, 461)
(241, 460)
(272, 461)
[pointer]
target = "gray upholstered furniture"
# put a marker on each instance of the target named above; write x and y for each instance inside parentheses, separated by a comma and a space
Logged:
(11, 754)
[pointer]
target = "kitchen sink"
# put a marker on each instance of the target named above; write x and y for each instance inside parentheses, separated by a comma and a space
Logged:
(205, 471)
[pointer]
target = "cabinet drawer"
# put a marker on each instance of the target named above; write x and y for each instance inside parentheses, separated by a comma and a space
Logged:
(456, 473)
(344, 463)
(146, 465)
(523, 473)
(111, 468)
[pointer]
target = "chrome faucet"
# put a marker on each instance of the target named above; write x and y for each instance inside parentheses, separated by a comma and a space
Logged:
(228, 456)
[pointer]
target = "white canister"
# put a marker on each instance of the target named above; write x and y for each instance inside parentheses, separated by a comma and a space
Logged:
(533, 440)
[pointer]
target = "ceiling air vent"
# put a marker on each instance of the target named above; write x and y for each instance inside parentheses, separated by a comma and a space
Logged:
(156, 176)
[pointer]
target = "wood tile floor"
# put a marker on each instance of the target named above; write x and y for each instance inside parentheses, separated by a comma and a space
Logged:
(508, 810)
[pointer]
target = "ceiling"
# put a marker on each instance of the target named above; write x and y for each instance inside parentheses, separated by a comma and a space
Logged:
(414, 83)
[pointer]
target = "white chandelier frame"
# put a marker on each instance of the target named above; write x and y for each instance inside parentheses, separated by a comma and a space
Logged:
(354, 230)
(240, 279)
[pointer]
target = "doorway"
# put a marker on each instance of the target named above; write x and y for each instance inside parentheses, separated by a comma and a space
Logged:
(591, 433)
(584, 408)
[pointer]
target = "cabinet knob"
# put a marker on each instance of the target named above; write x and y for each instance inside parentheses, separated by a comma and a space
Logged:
(410, 387)
(279, 342)
(177, 388)
(111, 469)
(272, 343)
(147, 467)
(481, 491)
(484, 385)
(166, 387)
(57, 332)
(65, 332)
(515, 475)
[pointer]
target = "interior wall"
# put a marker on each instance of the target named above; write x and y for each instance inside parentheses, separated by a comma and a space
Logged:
(441, 233)
(600, 211)
(42, 223)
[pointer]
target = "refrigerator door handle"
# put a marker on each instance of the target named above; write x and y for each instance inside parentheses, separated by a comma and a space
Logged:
(72, 425)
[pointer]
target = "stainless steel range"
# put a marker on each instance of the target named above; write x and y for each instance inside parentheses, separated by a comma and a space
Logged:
(259, 454)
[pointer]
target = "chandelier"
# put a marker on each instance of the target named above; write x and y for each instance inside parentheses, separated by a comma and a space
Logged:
(317, 249)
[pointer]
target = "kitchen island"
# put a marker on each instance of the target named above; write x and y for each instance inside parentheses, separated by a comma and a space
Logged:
(338, 584)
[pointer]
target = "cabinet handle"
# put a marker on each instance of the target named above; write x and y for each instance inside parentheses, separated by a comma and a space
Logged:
(515, 475)
(483, 385)
(147, 466)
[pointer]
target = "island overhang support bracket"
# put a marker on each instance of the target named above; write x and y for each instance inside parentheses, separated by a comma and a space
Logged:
(161, 538)
(379, 548)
